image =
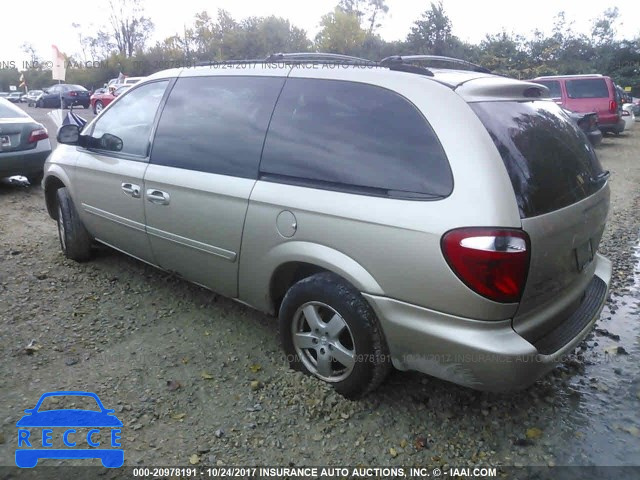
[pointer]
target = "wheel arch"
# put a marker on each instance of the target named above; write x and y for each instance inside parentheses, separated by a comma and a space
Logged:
(52, 184)
(294, 261)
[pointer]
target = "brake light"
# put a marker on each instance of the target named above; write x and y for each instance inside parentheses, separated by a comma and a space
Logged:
(73, 94)
(38, 135)
(613, 106)
(492, 262)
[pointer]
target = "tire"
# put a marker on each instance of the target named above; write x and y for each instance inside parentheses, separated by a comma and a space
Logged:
(35, 179)
(353, 357)
(98, 107)
(75, 241)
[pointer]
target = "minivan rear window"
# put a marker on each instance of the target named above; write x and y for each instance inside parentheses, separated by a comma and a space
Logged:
(550, 161)
(587, 88)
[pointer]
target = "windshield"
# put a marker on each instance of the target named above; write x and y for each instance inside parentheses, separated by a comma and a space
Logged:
(64, 402)
(550, 161)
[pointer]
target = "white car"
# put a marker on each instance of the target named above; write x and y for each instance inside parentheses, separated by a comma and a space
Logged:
(628, 116)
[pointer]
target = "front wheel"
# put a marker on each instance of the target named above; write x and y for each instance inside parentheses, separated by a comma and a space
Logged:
(75, 241)
(328, 330)
(98, 107)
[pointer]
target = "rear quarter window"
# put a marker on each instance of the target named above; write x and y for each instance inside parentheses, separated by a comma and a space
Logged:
(555, 90)
(587, 88)
(354, 137)
(550, 161)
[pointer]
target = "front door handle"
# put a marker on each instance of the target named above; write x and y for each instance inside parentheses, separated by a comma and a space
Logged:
(131, 189)
(158, 197)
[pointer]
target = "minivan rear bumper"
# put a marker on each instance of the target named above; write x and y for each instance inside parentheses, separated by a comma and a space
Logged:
(482, 355)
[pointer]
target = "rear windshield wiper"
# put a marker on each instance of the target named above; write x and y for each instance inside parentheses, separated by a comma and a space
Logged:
(602, 176)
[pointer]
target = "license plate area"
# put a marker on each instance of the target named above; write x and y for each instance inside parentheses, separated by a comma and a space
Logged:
(584, 255)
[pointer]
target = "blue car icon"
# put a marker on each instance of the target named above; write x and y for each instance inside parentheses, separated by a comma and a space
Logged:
(27, 456)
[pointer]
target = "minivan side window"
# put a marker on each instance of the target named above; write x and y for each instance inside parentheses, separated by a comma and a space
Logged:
(353, 137)
(553, 86)
(216, 124)
(129, 120)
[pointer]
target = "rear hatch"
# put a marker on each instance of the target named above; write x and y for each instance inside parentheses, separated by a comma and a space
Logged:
(562, 196)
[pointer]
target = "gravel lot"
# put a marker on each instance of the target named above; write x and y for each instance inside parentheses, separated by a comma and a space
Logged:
(199, 379)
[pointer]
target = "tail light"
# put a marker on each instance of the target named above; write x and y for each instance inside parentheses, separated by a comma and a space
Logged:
(613, 106)
(73, 94)
(492, 262)
(37, 135)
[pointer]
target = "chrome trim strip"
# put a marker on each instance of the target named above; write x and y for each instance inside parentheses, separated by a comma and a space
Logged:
(187, 242)
(114, 218)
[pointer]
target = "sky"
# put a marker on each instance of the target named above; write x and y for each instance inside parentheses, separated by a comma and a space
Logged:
(471, 20)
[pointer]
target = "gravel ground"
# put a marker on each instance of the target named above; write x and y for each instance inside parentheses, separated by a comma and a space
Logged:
(199, 379)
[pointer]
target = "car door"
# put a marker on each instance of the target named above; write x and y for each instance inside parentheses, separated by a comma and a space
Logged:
(110, 171)
(203, 166)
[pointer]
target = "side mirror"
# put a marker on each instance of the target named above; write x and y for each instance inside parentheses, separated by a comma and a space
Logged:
(68, 135)
(110, 142)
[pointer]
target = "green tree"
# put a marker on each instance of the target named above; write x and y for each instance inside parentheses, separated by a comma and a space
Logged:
(341, 33)
(130, 28)
(432, 33)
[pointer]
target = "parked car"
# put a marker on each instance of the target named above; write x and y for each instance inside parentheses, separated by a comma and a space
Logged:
(636, 107)
(99, 100)
(24, 143)
(14, 97)
(588, 123)
(344, 202)
(628, 116)
(587, 93)
(32, 96)
(63, 95)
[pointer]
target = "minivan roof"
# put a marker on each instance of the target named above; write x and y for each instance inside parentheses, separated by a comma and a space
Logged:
(586, 75)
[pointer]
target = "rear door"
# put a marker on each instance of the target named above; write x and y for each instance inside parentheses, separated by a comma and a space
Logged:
(204, 165)
(561, 191)
(109, 173)
(589, 95)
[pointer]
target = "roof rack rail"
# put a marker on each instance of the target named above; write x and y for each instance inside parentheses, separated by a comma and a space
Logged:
(311, 57)
(409, 59)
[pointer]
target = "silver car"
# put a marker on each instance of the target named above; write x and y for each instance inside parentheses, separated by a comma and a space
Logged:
(24, 144)
(439, 220)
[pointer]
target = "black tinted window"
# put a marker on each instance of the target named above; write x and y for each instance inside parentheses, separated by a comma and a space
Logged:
(129, 120)
(553, 86)
(354, 135)
(216, 124)
(549, 159)
(587, 88)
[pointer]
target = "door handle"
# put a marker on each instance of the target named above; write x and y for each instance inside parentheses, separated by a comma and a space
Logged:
(131, 189)
(158, 197)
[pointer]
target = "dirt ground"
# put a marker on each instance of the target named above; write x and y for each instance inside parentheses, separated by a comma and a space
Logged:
(198, 379)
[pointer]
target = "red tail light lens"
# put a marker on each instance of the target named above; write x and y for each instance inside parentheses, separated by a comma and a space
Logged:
(73, 94)
(38, 135)
(613, 106)
(492, 262)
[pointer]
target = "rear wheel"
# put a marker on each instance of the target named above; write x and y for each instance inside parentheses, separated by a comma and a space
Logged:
(98, 107)
(75, 241)
(328, 330)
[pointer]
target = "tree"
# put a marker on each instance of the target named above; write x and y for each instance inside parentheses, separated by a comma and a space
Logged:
(341, 33)
(131, 29)
(368, 12)
(432, 34)
(603, 30)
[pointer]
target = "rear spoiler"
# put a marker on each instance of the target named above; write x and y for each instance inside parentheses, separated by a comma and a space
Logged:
(489, 89)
